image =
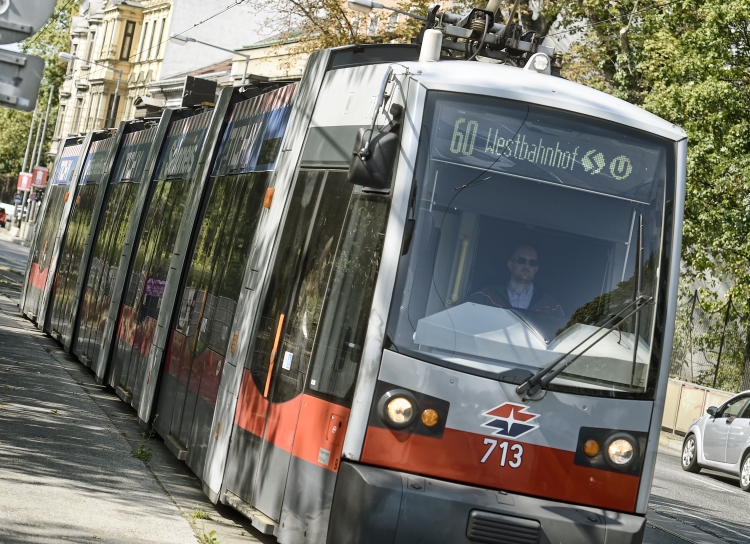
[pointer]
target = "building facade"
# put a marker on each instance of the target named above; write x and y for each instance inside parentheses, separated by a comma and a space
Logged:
(123, 47)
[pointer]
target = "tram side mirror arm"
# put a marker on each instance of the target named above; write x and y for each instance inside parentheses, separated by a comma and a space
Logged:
(372, 158)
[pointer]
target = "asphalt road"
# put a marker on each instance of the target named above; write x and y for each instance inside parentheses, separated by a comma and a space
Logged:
(12, 255)
(709, 504)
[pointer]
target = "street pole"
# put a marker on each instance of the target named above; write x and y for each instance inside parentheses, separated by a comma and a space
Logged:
(46, 118)
(15, 221)
(36, 143)
(116, 101)
(34, 161)
(28, 142)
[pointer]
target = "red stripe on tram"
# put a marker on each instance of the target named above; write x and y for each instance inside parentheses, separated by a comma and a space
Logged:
(542, 472)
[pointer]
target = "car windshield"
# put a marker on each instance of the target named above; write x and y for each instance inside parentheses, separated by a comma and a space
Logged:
(525, 232)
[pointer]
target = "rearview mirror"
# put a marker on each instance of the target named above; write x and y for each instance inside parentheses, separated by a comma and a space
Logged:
(712, 411)
(372, 158)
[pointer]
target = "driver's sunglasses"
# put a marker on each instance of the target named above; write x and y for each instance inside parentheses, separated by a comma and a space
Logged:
(523, 260)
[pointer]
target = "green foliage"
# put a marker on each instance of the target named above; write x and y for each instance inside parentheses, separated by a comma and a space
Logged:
(143, 452)
(704, 339)
(200, 514)
(207, 538)
(14, 125)
(687, 61)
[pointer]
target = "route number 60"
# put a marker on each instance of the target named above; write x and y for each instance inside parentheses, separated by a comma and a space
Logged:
(516, 452)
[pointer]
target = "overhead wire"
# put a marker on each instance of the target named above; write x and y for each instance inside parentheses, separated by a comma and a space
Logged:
(577, 28)
(158, 45)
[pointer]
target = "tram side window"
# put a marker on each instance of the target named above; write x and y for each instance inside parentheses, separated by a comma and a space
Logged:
(320, 292)
(289, 255)
(346, 310)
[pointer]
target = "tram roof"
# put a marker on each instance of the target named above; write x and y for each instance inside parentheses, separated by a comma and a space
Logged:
(529, 86)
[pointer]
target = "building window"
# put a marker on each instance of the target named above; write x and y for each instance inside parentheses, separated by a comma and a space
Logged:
(112, 107)
(161, 35)
(87, 122)
(60, 118)
(73, 51)
(103, 52)
(76, 116)
(139, 57)
(372, 29)
(127, 40)
(90, 45)
(147, 52)
(392, 22)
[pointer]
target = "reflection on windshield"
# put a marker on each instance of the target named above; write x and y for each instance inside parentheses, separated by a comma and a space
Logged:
(525, 241)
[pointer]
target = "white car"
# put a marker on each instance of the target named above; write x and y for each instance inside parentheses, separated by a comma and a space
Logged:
(720, 440)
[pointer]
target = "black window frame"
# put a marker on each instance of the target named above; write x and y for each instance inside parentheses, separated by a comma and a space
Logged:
(127, 40)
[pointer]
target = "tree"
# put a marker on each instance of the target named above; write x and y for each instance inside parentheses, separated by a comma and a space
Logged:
(14, 125)
(319, 24)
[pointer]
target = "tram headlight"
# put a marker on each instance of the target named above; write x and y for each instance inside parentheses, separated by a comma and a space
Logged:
(398, 408)
(621, 450)
(541, 62)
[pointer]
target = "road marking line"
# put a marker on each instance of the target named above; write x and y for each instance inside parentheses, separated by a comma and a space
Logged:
(743, 535)
(719, 487)
(655, 526)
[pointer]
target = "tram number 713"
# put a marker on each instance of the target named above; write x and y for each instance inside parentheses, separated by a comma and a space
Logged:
(516, 452)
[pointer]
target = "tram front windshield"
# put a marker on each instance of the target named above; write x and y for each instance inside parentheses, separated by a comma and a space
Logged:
(524, 242)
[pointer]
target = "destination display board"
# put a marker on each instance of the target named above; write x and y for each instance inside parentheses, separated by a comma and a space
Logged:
(545, 145)
(131, 160)
(179, 155)
(252, 139)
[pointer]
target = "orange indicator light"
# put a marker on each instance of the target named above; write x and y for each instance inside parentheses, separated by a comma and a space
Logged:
(430, 417)
(591, 448)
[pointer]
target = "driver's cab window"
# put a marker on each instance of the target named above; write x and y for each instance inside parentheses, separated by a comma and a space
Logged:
(532, 229)
(733, 408)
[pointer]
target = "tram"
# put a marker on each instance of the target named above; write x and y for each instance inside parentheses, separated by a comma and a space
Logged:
(408, 298)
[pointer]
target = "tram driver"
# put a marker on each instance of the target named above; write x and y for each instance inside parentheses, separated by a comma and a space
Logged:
(519, 292)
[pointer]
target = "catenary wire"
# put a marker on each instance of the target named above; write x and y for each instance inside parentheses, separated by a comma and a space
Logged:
(577, 28)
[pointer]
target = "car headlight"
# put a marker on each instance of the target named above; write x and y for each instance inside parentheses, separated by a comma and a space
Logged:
(621, 450)
(398, 408)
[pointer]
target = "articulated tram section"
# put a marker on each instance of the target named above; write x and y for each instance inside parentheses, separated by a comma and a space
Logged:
(295, 288)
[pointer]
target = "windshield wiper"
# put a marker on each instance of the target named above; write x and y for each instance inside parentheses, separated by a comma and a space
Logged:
(541, 379)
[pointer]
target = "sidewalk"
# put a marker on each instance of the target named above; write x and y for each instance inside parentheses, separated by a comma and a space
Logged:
(670, 444)
(67, 472)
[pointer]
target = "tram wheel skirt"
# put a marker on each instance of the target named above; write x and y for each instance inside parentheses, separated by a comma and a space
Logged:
(378, 506)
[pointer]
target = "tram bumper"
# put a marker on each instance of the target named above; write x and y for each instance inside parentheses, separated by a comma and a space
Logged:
(378, 506)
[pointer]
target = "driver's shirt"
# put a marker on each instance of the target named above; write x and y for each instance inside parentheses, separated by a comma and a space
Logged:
(520, 299)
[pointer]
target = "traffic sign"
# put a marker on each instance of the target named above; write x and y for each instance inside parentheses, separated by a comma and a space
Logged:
(20, 78)
(24, 181)
(20, 19)
(39, 177)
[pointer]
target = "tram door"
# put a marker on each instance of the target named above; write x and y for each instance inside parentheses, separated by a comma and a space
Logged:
(122, 191)
(201, 333)
(171, 186)
(202, 336)
(299, 377)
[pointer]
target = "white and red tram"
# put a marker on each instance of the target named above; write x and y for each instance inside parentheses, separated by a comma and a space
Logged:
(454, 314)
